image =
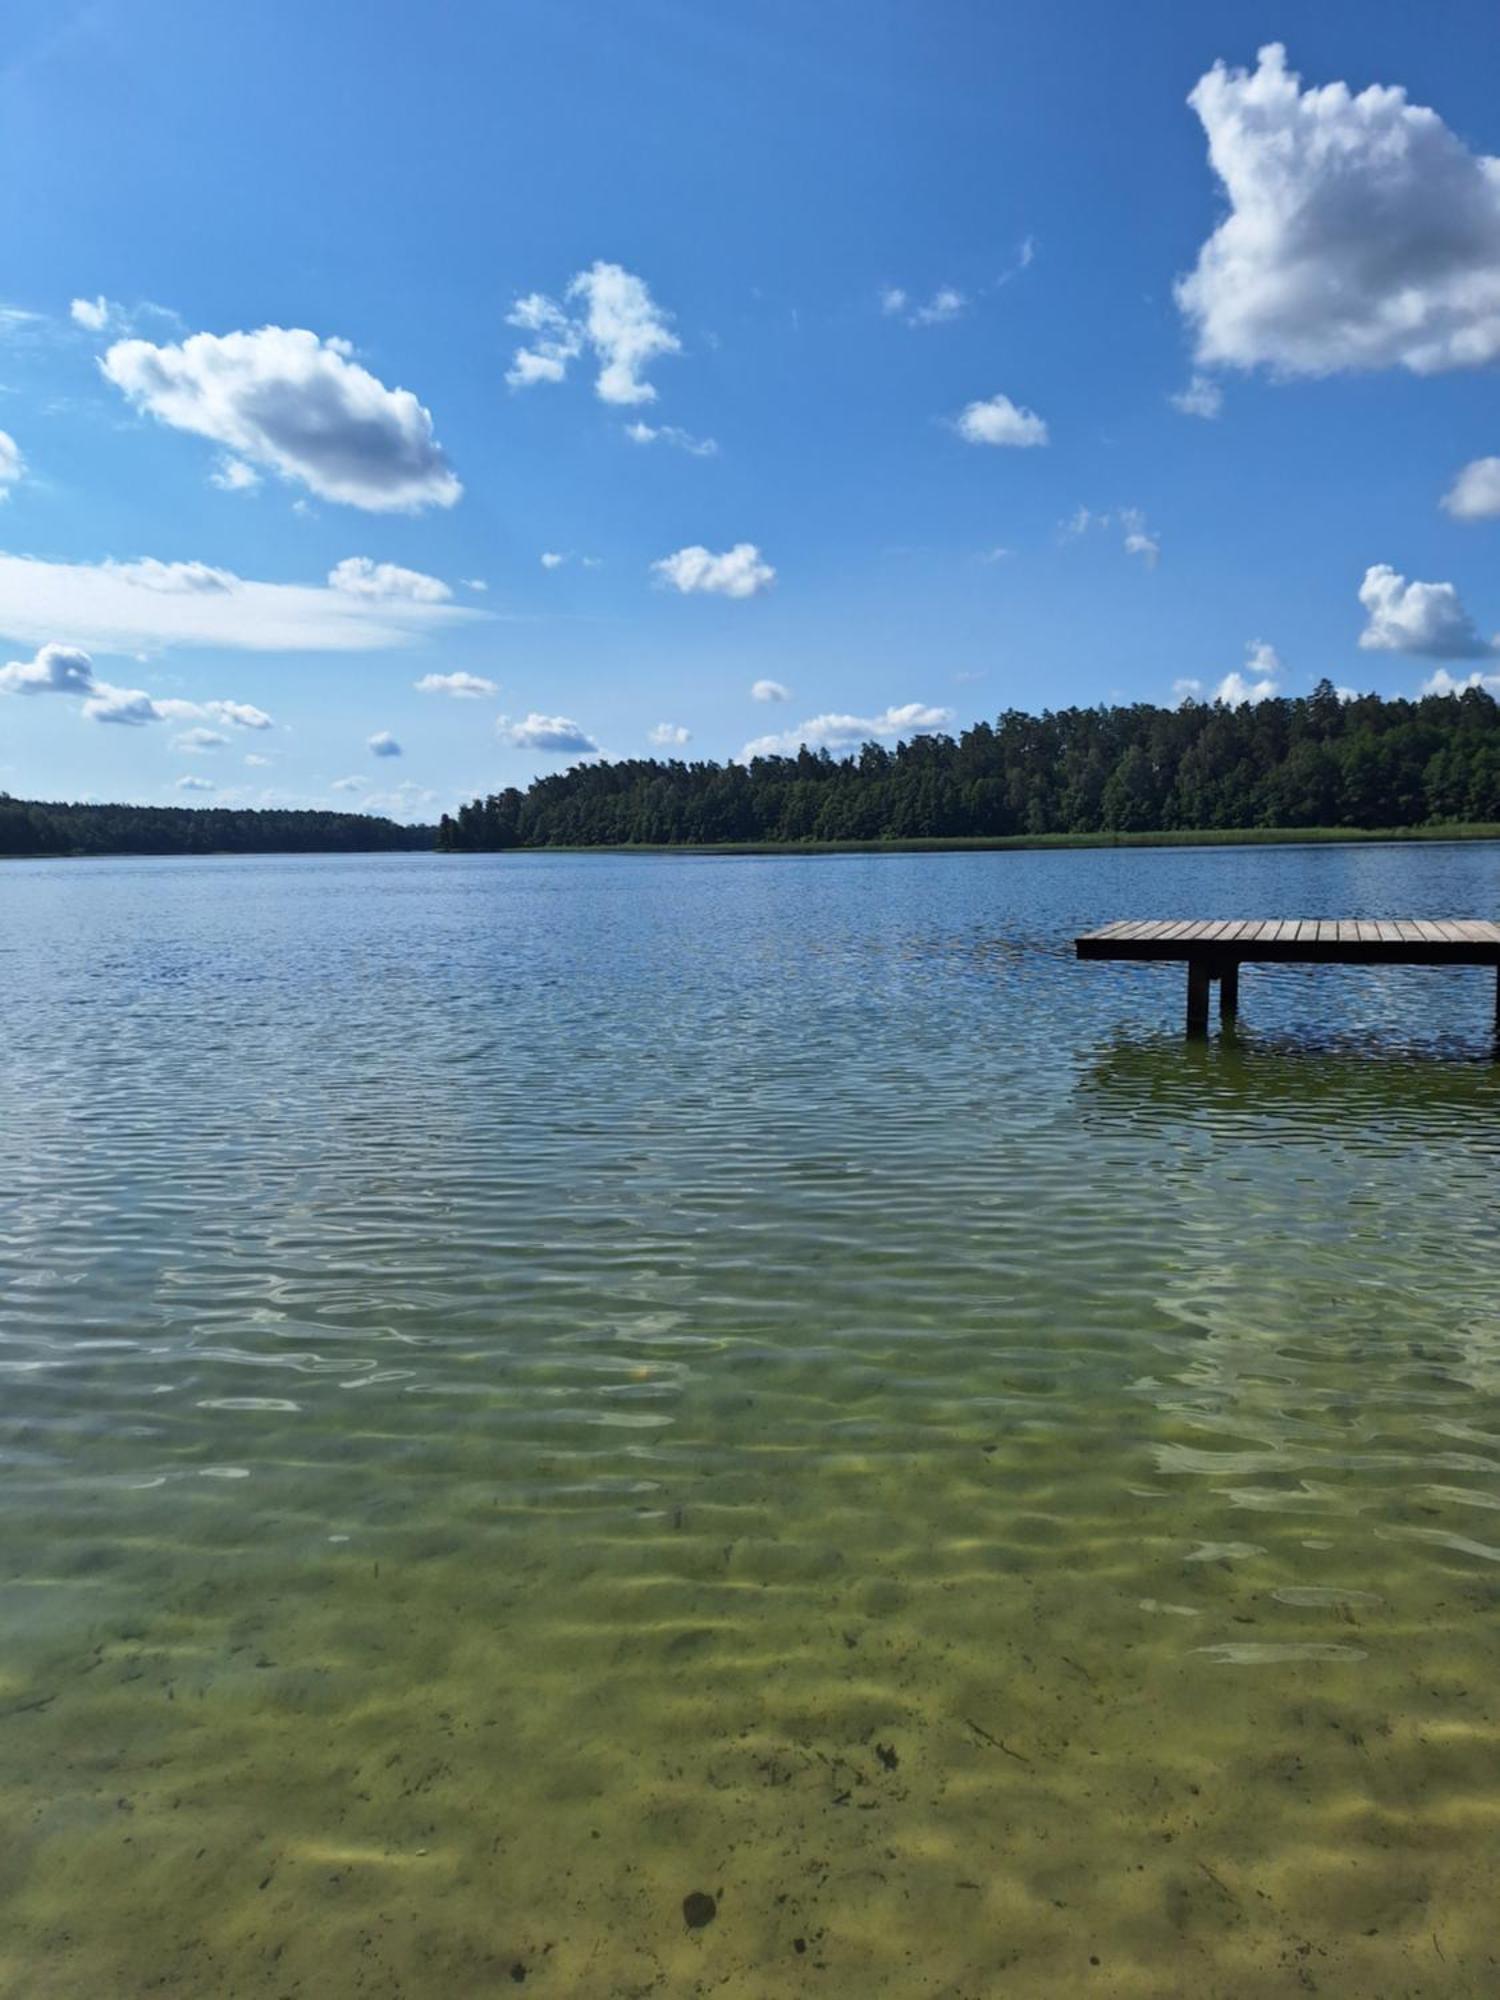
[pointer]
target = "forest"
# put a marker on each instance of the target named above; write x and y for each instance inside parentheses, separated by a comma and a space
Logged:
(1320, 760)
(30, 828)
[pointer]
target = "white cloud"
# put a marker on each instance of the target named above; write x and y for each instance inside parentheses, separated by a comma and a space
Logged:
(131, 707)
(847, 732)
(1361, 232)
(54, 670)
(252, 758)
(285, 399)
(94, 314)
(12, 464)
(999, 553)
(232, 475)
(673, 434)
(553, 559)
(383, 744)
(769, 691)
(1136, 538)
(69, 670)
(1440, 681)
(999, 421)
(1475, 494)
(195, 785)
(946, 303)
(668, 734)
(1139, 540)
(403, 801)
(739, 572)
(465, 687)
(118, 607)
(557, 733)
(173, 579)
(238, 714)
(1427, 619)
(615, 316)
(1187, 689)
(347, 785)
(1260, 680)
(559, 340)
(198, 740)
(474, 583)
(1201, 398)
(377, 583)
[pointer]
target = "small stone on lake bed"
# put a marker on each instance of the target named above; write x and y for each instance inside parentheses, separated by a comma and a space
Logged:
(698, 1909)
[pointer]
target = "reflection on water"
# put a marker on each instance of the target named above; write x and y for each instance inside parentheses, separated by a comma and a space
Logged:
(535, 1389)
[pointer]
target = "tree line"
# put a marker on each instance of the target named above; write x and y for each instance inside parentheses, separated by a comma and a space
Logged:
(30, 827)
(1317, 760)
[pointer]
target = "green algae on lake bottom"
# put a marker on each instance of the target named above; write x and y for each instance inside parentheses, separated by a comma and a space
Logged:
(543, 1397)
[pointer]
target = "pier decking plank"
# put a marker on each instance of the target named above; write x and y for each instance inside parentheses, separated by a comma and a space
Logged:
(1215, 948)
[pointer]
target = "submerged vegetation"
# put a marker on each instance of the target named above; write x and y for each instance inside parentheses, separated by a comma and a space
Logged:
(1317, 762)
(28, 827)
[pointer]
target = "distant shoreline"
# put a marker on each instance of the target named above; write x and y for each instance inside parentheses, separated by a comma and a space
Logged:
(1258, 836)
(1264, 836)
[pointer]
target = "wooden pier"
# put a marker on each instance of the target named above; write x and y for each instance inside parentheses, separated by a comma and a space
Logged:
(1215, 951)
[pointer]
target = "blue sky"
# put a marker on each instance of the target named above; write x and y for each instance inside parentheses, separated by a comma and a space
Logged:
(811, 239)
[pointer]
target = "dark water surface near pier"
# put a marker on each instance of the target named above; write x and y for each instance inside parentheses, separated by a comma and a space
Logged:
(535, 1388)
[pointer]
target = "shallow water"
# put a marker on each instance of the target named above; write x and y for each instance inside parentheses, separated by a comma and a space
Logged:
(534, 1387)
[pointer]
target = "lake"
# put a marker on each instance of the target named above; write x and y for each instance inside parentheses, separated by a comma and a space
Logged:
(540, 1387)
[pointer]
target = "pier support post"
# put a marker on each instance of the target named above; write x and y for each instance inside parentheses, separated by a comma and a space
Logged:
(1197, 996)
(1229, 990)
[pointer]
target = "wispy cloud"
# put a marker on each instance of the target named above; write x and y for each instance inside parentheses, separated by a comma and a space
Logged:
(127, 607)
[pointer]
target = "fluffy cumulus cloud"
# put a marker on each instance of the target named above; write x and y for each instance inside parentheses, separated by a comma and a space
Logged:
(1424, 619)
(12, 464)
(1361, 232)
(68, 670)
(738, 572)
(1475, 494)
(93, 315)
(1000, 421)
(132, 708)
(1259, 680)
(1440, 681)
(195, 784)
(769, 691)
(300, 406)
(198, 740)
(670, 735)
(378, 583)
(672, 434)
(557, 734)
(1201, 398)
(462, 686)
(847, 732)
(53, 670)
(607, 309)
(129, 607)
(383, 744)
